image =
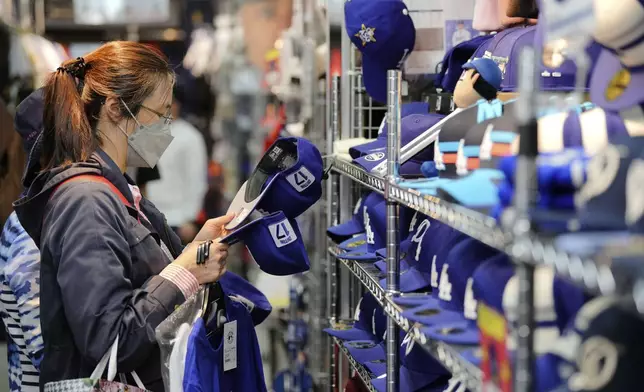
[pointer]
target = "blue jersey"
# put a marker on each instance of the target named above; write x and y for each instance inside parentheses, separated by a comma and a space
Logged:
(20, 305)
(204, 371)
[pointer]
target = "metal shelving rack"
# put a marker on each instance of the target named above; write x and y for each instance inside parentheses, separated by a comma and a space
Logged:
(597, 274)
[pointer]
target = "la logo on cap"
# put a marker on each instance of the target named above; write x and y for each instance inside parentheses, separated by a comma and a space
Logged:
(282, 233)
(366, 34)
(301, 179)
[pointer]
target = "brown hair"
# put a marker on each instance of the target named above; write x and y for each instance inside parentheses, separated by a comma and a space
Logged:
(12, 161)
(75, 93)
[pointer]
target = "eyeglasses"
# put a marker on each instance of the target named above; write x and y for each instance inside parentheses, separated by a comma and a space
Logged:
(167, 116)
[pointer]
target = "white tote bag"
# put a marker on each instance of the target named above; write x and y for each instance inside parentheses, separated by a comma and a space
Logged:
(94, 381)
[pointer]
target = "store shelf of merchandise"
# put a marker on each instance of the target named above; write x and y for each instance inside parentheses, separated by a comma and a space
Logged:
(596, 277)
(362, 372)
(449, 356)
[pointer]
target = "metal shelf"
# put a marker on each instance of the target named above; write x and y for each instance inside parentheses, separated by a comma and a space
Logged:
(448, 355)
(362, 372)
(597, 277)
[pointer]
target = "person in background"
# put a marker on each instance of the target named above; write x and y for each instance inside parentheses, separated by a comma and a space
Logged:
(20, 270)
(179, 193)
(110, 266)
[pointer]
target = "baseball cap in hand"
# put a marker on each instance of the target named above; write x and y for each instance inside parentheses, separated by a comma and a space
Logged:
(240, 290)
(488, 70)
(365, 325)
(275, 242)
(288, 178)
(411, 127)
(384, 33)
(456, 321)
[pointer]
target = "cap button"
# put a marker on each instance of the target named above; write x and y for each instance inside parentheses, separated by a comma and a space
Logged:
(405, 12)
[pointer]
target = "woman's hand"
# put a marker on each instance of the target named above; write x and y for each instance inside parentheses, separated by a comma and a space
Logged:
(212, 269)
(213, 228)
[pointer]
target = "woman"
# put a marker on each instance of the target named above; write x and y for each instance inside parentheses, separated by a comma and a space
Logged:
(110, 265)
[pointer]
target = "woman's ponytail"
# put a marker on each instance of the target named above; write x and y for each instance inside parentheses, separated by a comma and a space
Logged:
(67, 135)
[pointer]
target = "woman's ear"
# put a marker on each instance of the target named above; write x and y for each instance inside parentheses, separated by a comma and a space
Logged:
(112, 109)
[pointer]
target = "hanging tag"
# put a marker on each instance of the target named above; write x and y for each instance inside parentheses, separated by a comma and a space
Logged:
(230, 345)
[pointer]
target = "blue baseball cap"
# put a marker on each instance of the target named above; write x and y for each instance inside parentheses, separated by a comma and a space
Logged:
(384, 33)
(411, 127)
(455, 58)
(455, 274)
(427, 242)
(288, 178)
(419, 370)
(488, 70)
(344, 231)
(557, 301)
(406, 109)
(368, 353)
(407, 245)
(357, 243)
(375, 225)
(240, 290)
(275, 242)
(364, 326)
(604, 208)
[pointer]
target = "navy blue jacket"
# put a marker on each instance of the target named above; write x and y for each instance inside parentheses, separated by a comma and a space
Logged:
(99, 272)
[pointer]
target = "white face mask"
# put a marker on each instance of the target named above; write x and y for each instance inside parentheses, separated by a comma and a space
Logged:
(147, 143)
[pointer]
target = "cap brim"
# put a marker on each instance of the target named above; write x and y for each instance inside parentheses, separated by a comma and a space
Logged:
(377, 145)
(361, 255)
(432, 314)
(354, 244)
(468, 65)
(606, 67)
(461, 333)
(374, 77)
(411, 279)
(410, 168)
(382, 265)
(349, 334)
(242, 208)
(411, 300)
(350, 228)
(344, 146)
(412, 381)
(365, 356)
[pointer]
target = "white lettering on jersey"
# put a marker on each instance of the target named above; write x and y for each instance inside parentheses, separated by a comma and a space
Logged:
(434, 274)
(597, 363)
(461, 159)
(438, 156)
(367, 226)
(485, 152)
(418, 237)
(301, 179)
(470, 304)
(602, 170)
(634, 188)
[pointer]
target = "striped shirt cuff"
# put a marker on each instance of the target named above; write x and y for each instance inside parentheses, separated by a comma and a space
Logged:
(182, 278)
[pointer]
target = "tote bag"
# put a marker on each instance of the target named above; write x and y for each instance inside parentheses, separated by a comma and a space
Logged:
(94, 382)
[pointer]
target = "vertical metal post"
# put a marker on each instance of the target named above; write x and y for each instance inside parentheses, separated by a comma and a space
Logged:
(525, 197)
(333, 217)
(394, 79)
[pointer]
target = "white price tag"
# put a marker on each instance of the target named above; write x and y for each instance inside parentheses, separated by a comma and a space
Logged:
(230, 346)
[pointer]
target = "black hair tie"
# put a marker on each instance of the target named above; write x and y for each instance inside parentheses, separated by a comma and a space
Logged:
(77, 69)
